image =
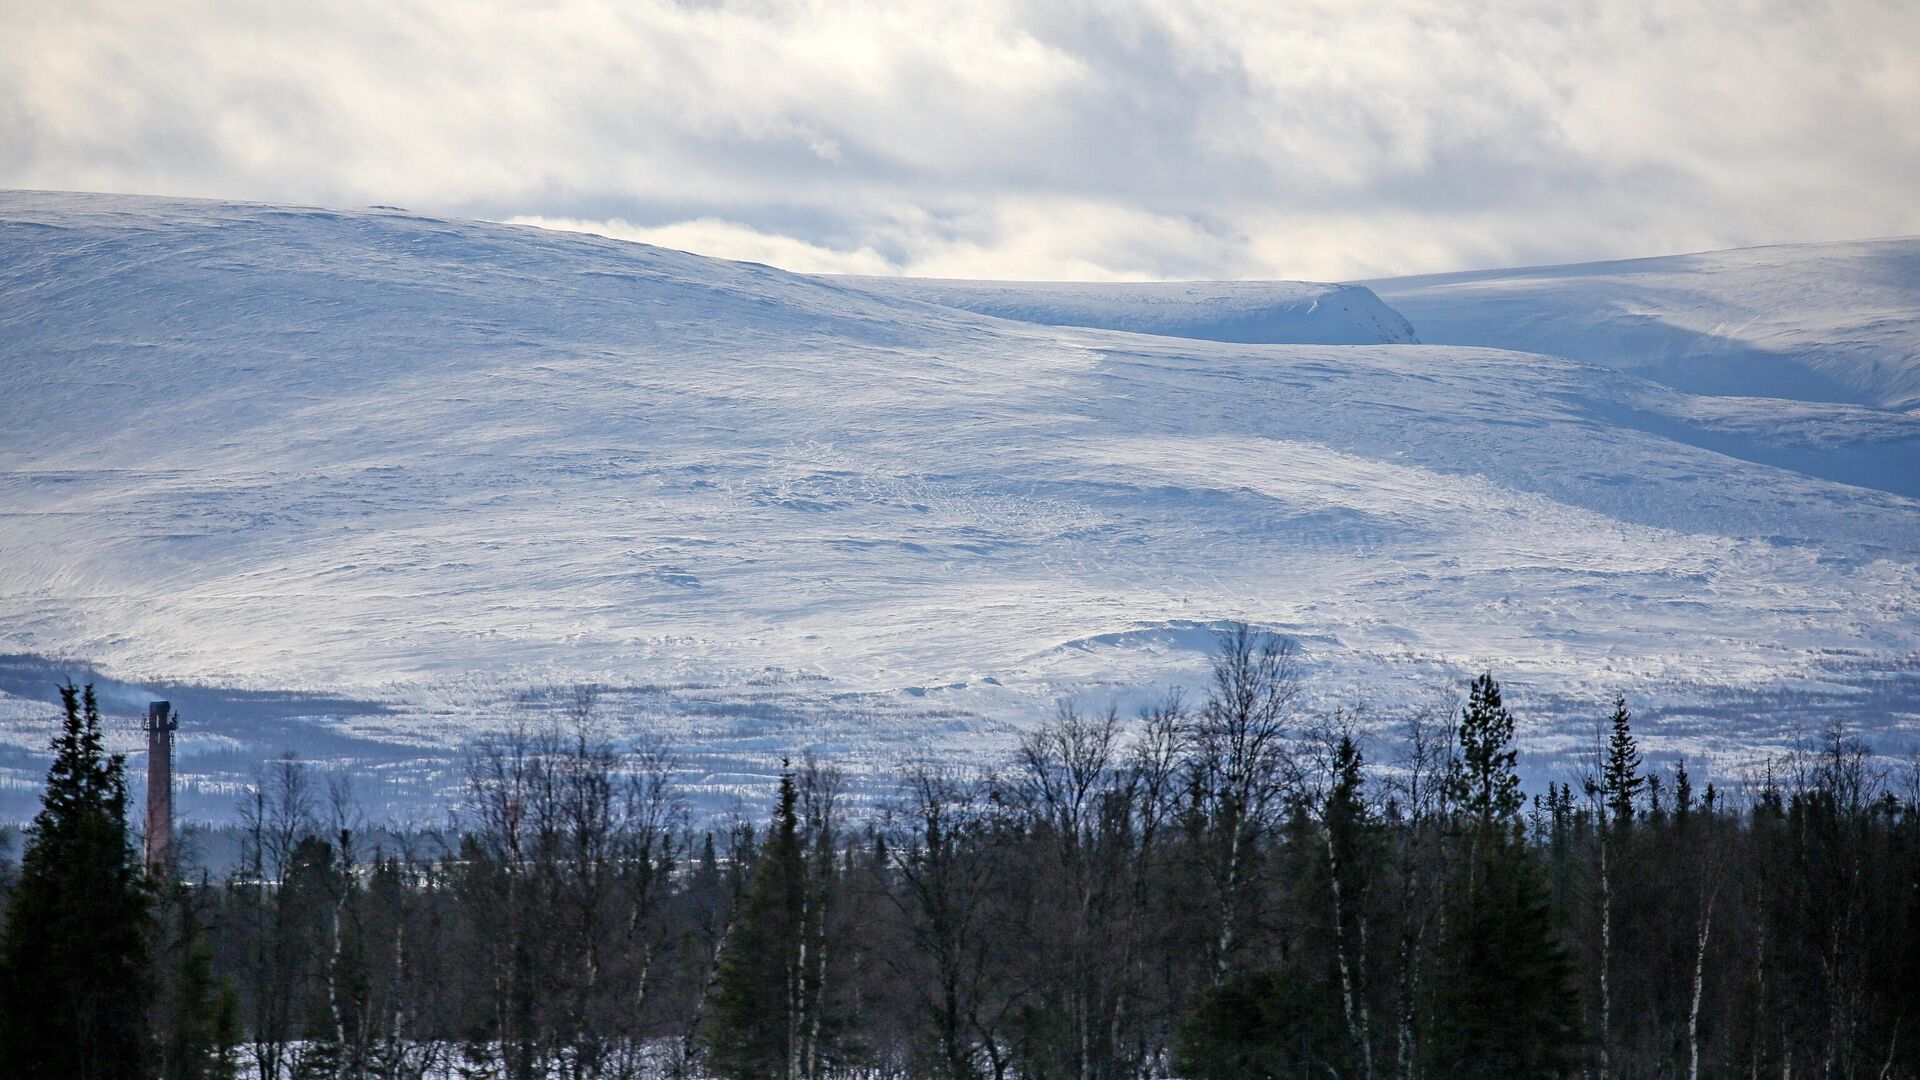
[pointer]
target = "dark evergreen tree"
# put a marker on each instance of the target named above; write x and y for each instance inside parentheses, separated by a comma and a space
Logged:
(1620, 777)
(197, 1013)
(1682, 792)
(1503, 1004)
(7, 843)
(311, 886)
(750, 1031)
(74, 969)
(1347, 816)
(1351, 854)
(1265, 1025)
(1481, 781)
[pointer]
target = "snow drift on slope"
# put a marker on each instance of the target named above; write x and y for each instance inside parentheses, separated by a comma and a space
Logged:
(1820, 322)
(1246, 312)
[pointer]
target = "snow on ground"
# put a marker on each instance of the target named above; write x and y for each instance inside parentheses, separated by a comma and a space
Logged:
(1822, 322)
(1246, 312)
(442, 467)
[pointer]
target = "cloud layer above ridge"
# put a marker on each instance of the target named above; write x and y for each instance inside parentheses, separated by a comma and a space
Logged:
(1124, 139)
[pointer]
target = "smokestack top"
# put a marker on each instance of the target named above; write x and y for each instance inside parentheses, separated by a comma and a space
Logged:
(160, 716)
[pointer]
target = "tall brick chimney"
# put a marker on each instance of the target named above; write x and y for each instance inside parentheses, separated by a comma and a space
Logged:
(160, 727)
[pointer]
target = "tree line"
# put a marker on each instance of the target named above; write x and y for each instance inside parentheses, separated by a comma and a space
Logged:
(1218, 888)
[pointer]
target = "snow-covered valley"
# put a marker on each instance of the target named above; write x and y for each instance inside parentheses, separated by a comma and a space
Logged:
(440, 468)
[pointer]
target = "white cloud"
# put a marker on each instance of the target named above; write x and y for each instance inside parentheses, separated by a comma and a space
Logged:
(1016, 138)
(727, 240)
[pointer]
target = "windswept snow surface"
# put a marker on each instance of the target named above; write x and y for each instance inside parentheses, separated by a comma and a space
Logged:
(442, 466)
(1821, 322)
(1244, 312)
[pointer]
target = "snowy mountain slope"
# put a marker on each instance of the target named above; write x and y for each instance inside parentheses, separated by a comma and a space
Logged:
(395, 457)
(1246, 312)
(1819, 322)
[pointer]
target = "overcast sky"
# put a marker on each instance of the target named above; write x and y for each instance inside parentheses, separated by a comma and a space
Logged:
(1047, 139)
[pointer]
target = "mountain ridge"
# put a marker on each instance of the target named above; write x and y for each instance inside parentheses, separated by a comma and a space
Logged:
(378, 454)
(1837, 322)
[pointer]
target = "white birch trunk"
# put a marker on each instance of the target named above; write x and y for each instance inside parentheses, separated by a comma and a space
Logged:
(1699, 980)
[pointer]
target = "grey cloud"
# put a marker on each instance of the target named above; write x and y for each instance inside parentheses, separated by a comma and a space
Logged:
(1136, 138)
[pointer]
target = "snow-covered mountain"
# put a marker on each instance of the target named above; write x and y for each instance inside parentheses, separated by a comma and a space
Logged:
(1246, 312)
(440, 464)
(1822, 322)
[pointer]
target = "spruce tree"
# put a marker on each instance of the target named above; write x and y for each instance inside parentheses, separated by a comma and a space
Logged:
(750, 1029)
(1265, 1025)
(1621, 779)
(74, 969)
(1503, 1004)
(197, 1019)
(1351, 855)
(1481, 781)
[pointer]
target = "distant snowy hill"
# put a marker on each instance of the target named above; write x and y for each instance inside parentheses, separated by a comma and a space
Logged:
(1246, 312)
(1819, 322)
(443, 464)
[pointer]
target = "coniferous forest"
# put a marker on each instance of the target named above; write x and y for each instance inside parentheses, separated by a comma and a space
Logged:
(1220, 887)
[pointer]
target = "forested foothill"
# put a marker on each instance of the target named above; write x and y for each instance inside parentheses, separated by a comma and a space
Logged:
(1226, 885)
